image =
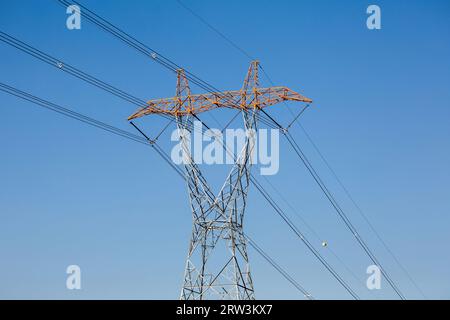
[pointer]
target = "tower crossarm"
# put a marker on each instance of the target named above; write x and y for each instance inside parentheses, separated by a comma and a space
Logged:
(238, 99)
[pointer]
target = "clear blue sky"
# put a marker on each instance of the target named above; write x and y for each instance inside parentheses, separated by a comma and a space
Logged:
(71, 194)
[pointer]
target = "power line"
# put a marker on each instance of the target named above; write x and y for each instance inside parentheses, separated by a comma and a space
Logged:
(48, 59)
(87, 120)
(40, 55)
(150, 53)
(340, 212)
(232, 43)
(136, 44)
(338, 209)
(358, 208)
(146, 141)
(302, 237)
(284, 217)
(314, 232)
(276, 266)
(61, 65)
(361, 212)
(295, 229)
(58, 63)
(240, 49)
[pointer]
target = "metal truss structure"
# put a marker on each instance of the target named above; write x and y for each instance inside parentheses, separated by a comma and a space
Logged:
(217, 265)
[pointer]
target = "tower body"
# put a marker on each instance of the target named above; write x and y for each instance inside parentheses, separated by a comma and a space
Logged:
(217, 265)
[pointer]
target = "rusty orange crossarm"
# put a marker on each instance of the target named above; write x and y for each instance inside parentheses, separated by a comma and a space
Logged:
(229, 99)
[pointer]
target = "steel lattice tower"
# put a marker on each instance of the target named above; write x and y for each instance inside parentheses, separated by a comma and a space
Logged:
(217, 264)
(211, 271)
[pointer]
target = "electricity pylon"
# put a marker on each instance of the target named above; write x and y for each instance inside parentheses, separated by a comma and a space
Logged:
(217, 264)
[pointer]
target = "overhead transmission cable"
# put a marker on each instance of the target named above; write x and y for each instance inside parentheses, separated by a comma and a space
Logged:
(142, 140)
(340, 212)
(293, 227)
(53, 61)
(362, 214)
(335, 205)
(150, 53)
(109, 27)
(59, 62)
